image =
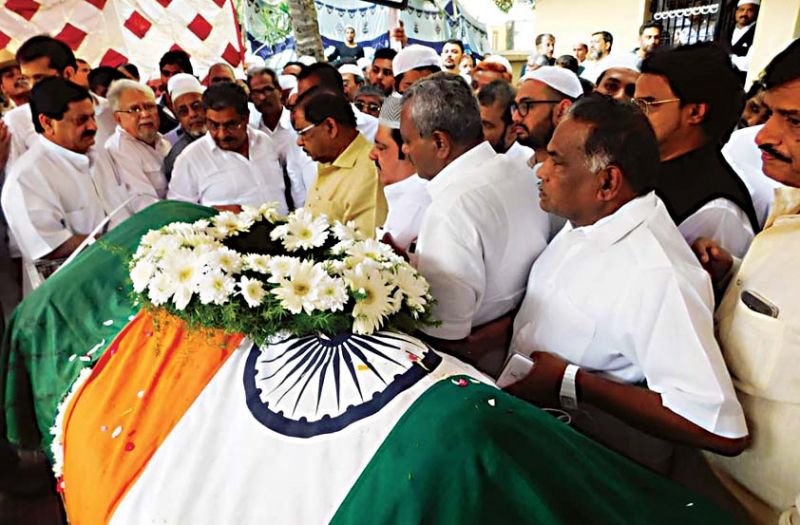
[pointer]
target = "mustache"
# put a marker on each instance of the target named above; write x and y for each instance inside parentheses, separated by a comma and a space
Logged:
(779, 156)
(88, 134)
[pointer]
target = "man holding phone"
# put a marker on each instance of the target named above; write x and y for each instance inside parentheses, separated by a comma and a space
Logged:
(759, 316)
(617, 313)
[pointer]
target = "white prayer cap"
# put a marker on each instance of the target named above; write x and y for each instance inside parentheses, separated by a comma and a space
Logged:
(558, 78)
(390, 111)
(500, 59)
(351, 69)
(287, 82)
(622, 60)
(364, 63)
(740, 3)
(307, 60)
(254, 63)
(412, 57)
(181, 84)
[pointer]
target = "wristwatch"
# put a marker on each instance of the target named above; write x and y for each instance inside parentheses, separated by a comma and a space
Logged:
(568, 396)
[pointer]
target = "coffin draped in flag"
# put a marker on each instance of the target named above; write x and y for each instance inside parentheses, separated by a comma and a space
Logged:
(159, 423)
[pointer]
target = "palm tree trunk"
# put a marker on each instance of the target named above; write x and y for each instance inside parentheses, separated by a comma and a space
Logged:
(306, 29)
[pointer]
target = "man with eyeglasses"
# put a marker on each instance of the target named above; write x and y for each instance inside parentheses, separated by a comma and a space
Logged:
(269, 116)
(692, 98)
(136, 147)
(542, 100)
(62, 188)
(347, 187)
(233, 164)
(41, 57)
(186, 94)
(369, 100)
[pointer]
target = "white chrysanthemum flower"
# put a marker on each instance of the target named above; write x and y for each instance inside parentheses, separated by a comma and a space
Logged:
(413, 286)
(346, 232)
(341, 247)
(228, 223)
(216, 287)
(183, 267)
(269, 211)
(226, 259)
(249, 214)
(160, 289)
(141, 274)
(299, 291)
(332, 294)
(279, 233)
(150, 238)
(373, 299)
(252, 290)
(257, 262)
(304, 231)
(166, 245)
(180, 228)
(280, 267)
(375, 250)
(182, 296)
(335, 267)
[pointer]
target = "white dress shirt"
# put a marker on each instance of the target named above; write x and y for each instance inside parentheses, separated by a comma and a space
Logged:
(23, 134)
(211, 176)
(140, 166)
(742, 63)
(479, 237)
(292, 158)
(744, 157)
(722, 221)
(407, 201)
(519, 153)
(52, 193)
(626, 297)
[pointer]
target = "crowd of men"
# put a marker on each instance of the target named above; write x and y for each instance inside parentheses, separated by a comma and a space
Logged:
(602, 224)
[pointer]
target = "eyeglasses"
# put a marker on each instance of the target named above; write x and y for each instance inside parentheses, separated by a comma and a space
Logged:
(524, 106)
(301, 132)
(195, 106)
(229, 127)
(647, 105)
(139, 110)
(364, 106)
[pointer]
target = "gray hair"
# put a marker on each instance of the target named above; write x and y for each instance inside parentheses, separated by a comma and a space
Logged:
(444, 102)
(118, 87)
(226, 66)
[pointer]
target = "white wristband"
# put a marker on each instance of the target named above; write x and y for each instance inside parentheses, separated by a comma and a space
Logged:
(568, 396)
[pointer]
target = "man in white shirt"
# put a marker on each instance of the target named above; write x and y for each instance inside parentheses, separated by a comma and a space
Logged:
(495, 100)
(233, 164)
(483, 229)
(62, 188)
(268, 115)
(406, 193)
(744, 33)
(759, 316)
(325, 76)
(693, 98)
(599, 49)
(617, 301)
(40, 57)
(136, 147)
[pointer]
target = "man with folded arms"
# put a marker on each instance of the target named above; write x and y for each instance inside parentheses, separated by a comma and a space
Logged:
(137, 148)
(62, 187)
(233, 164)
(617, 315)
(483, 229)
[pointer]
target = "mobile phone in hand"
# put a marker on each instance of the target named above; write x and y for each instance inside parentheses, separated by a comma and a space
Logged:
(517, 367)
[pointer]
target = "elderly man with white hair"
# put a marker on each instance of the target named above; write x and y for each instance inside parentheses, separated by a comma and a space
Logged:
(136, 148)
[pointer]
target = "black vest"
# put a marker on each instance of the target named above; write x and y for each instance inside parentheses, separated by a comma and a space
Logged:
(743, 45)
(691, 181)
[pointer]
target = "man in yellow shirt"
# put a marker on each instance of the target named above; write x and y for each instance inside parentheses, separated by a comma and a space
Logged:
(758, 320)
(347, 187)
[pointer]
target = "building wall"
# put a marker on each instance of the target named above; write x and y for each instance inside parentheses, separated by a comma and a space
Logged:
(778, 23)
(574, 21)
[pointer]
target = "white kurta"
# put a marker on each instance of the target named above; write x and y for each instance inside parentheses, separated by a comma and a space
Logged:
(744, 157)
(290, 155)
(407, 201)
(519, 153)
(479, 237)
(627, 298)
(211, 176)
(23, 134)
(139, 166)
(52, 193)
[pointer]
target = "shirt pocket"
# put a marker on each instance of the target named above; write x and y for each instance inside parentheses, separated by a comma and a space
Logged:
(751, 344)
(80, 221)
(564, 329)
